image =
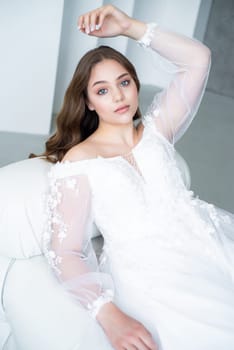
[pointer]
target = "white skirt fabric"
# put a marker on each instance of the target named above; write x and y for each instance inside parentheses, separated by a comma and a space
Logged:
(182, 310)
(185, 295)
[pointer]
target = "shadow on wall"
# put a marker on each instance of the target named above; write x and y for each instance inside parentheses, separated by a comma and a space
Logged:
(219, 38)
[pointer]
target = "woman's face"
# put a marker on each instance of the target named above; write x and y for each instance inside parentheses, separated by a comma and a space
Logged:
(112, 93)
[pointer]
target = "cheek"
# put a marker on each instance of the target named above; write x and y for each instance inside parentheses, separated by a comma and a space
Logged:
(135, 95)
(133, 91)
(99, 103)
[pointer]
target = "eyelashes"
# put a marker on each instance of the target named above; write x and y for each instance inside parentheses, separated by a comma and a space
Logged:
(104, 91)
(125, 82)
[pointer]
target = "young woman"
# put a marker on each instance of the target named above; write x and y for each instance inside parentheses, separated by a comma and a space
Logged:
(165, 278)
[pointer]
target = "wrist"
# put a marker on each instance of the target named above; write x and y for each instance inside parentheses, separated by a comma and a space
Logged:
(105, 313)
(136, 29)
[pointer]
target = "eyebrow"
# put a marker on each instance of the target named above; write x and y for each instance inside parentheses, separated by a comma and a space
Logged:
(104, 81)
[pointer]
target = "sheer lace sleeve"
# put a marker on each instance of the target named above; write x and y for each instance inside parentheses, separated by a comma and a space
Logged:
(174, 108)
(68, 245)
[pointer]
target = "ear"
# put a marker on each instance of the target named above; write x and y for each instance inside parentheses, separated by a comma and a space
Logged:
(89, 105)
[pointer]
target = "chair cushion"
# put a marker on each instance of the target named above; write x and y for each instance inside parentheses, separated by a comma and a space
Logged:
(23, 186)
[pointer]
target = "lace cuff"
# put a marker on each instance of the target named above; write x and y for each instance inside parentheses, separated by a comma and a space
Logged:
(105, 298)
(146, 39)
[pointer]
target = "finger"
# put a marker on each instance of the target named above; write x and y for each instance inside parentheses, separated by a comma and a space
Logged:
(86, 23)
(80, 22)
(135, 343)
(106, 10)
(130, 347)
(147, 339)
(101, 18)
(140, 345)
(93, 21)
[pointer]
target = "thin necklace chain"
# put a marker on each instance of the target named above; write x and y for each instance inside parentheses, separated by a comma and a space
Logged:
(129, 157)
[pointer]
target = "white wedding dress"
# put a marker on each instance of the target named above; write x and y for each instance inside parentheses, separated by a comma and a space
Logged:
(168, 257)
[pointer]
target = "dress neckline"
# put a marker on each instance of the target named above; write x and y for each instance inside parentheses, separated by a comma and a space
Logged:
(120, 156)
(123, 155)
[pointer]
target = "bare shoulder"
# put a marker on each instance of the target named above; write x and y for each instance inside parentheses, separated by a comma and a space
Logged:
(83, 151)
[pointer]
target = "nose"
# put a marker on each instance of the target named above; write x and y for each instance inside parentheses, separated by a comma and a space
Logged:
(118, 94)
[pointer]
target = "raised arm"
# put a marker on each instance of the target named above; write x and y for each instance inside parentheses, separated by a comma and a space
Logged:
(174, 108)
(68, 245)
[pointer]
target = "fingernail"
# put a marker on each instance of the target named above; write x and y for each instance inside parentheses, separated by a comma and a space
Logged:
(87, 30)
(92, 28)
(97, 26)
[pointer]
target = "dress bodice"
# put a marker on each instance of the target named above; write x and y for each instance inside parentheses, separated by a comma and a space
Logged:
(131, 203)
(122, 194)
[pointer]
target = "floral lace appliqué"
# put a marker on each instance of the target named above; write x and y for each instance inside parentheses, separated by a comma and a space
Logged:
(54, 220)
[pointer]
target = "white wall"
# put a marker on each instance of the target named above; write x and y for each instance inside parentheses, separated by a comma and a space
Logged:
(179, 16)
(29, 37)
(73, 46)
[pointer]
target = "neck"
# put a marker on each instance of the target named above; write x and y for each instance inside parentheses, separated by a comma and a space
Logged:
(117, 134)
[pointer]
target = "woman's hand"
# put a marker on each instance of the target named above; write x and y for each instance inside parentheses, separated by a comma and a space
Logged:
(123, 332)
(109, 21)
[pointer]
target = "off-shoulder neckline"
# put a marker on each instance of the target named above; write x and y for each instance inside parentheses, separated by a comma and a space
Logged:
(99, 157)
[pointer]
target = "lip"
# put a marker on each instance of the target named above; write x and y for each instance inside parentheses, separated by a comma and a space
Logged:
(122, 109)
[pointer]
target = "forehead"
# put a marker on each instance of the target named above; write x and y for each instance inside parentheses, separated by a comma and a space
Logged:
(107, 69)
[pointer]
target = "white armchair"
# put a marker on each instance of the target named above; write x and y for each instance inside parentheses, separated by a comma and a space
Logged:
(33, 306)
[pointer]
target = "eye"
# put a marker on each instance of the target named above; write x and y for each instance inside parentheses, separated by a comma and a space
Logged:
(102, 92)
(125, 82)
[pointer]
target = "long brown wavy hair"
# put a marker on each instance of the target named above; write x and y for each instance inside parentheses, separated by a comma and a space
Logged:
(75, 122)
